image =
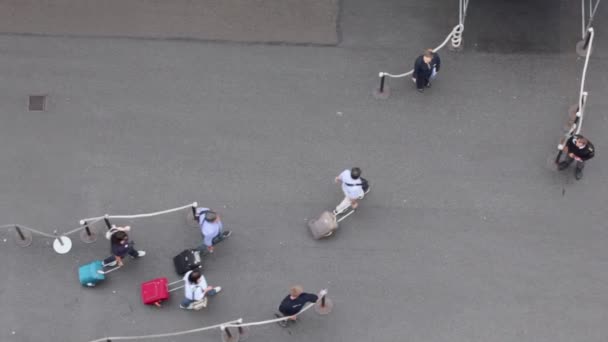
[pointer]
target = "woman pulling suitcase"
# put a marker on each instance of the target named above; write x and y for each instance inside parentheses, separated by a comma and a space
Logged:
(121, 246)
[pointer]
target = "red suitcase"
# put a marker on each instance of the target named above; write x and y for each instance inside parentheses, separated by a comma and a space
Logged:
(156, 291)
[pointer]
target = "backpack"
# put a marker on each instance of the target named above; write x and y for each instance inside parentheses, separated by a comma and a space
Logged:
(115, 229)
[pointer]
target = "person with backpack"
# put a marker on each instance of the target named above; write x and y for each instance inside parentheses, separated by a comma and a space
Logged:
(580, 149)
(212, 229)
(196, 291)
(354, 188)
(121, 246)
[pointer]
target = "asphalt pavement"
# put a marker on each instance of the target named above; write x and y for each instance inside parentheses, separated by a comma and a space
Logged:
(468, 234)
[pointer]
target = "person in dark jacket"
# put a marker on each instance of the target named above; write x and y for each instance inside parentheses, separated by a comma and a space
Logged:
(294, 303)
(580, 149)
(426, 67)
(121, 246)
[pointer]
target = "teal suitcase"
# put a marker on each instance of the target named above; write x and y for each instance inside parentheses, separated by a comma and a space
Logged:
(93, 273)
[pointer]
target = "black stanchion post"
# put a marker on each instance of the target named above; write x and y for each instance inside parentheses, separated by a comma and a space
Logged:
(193, 221)
(20, 233)
(383, 92)
(587, 40)
(324, 305)
(88, 235)
(23, 237)
(107, 221)
(229, 336)
(194, 212)
(58, 238)
(243, 332)
(87, 229)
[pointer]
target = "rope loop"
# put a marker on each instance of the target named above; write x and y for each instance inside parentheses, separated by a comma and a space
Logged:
(457, 35)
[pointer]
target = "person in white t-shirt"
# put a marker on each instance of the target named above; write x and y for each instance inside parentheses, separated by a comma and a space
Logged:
(196, 289)
(354, 188)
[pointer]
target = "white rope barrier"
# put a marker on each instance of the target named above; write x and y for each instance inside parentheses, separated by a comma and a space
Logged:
(456, 31)
(24, 233)
(8, 226)
(592, 10)
(275, 320)
(177, 333)
(194, 204)
(577, 123)
(237, 323)
(584, 76)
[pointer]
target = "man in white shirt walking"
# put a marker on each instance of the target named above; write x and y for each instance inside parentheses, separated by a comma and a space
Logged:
(354, 187)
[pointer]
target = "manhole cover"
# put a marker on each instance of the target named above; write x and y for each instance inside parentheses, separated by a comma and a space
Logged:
(37, 102)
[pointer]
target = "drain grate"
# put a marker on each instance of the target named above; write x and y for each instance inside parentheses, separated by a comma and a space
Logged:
(37, 103)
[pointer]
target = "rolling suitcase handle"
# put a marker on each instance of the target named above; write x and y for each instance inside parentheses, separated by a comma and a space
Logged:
(110, 270)
(174, 283)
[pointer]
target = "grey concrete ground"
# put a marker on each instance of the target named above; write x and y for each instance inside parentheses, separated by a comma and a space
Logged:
(467, 235)
(298, 21)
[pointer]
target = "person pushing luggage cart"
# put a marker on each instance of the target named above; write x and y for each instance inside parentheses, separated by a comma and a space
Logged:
(354, 188)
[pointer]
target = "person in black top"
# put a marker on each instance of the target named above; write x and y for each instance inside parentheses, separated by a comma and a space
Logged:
(121, 246)
(580, 149)
(294, 303)
(426, 67)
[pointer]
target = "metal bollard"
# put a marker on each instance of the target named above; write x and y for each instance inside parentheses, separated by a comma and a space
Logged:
(383, 92)
(20, 233)
(87, 229)
(194, 212)
(23, 238)
(587, 40)
(87, 235)
(229, 336)
(324, 306)
(107, 221)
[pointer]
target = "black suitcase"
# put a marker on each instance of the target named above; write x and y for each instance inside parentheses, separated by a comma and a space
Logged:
(190, 259)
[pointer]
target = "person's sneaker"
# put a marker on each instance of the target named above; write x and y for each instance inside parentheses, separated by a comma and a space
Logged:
(421, 90)
(141, 253)
(428, 85)
(181, 306)
(217, 289)
(578, 174)
(335, 212)
(563, 165)
(227, 234)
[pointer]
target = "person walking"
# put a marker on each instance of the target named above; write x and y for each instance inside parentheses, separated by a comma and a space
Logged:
(196, 291)
(354, 188)
(426, 67)
(121, 246)
(580, 149)
(294, 302)
(212, 229)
